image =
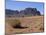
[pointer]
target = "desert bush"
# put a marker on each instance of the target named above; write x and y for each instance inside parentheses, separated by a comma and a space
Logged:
(14, 22)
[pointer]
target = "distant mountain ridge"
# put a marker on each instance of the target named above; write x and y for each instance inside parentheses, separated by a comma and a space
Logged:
(25, 12)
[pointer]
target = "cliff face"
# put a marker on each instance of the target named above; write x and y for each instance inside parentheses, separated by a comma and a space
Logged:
(25, 12)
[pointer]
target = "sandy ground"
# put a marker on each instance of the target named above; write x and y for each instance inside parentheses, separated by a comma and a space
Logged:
(35, 24)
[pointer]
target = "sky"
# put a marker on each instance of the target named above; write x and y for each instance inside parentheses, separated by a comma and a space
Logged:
(18, 5)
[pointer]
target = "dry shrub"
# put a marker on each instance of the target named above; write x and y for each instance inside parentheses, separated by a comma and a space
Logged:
(14, 22)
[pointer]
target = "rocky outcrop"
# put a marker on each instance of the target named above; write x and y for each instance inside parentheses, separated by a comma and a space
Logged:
(25, 12)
